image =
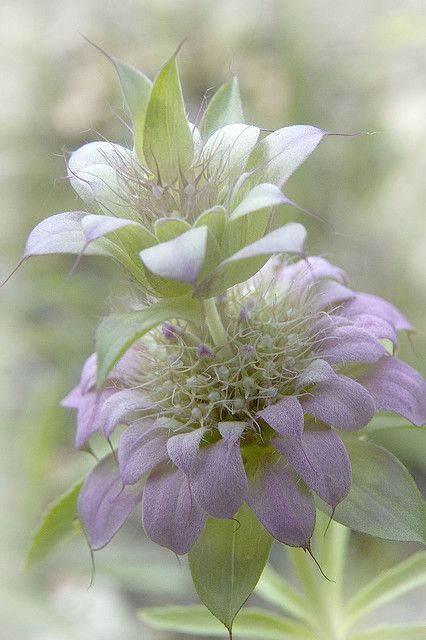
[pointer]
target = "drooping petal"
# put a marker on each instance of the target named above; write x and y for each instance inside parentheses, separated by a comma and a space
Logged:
(104, 504)
(141, 449)
(284, 507)
(363, 303)
(217, 477)
(121, 406)
(317, 371)
(341, 403)
(89, 411)
(349, 344)
(376, 326)
(170, 515)
(397, 387)
(321, 460)
(285, 417)
(183, 448)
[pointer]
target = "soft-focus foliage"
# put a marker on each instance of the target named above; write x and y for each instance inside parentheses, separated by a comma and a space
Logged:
(359, 69)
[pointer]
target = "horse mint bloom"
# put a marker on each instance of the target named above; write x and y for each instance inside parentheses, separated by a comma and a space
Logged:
(251, 406)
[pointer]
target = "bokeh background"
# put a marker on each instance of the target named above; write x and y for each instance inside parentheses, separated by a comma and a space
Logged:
(344, 66)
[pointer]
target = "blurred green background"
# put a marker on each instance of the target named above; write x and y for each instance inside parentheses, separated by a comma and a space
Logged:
(344, 66)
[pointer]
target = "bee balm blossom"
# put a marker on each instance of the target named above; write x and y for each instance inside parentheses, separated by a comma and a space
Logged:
(260, 416)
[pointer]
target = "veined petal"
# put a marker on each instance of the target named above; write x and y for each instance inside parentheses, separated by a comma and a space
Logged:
(183, 448)
(104, 504)
(120, 407)
(170, 515)
(376, 326)
(363, 303)
(285, 417)
(140, 449)
(341, 403)
(397, 387)
(284, 507)
(345, 344)
(321, 460)
(217, 478)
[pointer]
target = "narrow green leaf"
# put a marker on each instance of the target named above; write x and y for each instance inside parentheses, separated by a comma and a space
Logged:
(168, 145)
(250, 623)
(56, 524)
(389, 585)
(117, 333)
(224, 108)
(136, 88)
(392, 632)
(384, 500)
(227, 561)
(276, 590)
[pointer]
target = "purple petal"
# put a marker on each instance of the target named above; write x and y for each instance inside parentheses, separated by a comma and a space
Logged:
(349, 344)
(183, 448)
(305, 273)
(284, 507)
(88, 373)
(104, 504)
(331, 294)
(397, 387)
(120, 407)
(89, 415)
(341, 403)
(218, 479)
(373, 305)
(317, 371)
(285, 417)
(141, 449)
(321, 460)
(377, 327)
(170, 515)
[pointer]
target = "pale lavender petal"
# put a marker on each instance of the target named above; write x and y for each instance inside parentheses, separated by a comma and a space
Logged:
(73, 399)
(304, 273)
(341, 403)
(170, 515)
(120, 407)
(317, 371)
(373, 305)
(376, 326)
(97, 226)
(88, 373)
(218, 479)
(397, 387)
(89, 415)
(183, 448)
(285, 417)
(331, 294)
(284, 507)
(321, 460)
(141, 449)
(104, 503)
(349, 344)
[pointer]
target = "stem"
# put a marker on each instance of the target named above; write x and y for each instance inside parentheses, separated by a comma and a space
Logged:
(215, 326)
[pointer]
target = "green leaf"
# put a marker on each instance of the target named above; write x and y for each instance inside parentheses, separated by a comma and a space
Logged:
(136, 88)
(389, 585)
(250, 623)
(263, 196)
(169, 228)
(224, 108)
(227, 561)
(214, 219)
(56, 524)
(392, 632)
(276, 590)
(117, 333)
(168, 145)
(384, 500)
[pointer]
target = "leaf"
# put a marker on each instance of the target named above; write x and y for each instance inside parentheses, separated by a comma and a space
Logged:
(136, 88)
(250, 623)
(276, 590)
(384, 500)
(224, 108)
(262, 196)
(116, 333)
(393, 583)
(245, 263)
(168, 144)
(180, 258)
(392, 632)
(56, 524)
(214, 219)
(227, 561)
(169, 228)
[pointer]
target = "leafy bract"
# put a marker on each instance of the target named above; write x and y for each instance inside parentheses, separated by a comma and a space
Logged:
(167, 145)
(224, 108)
(227, 561)
(116, 333)
(250, 623)
(384, 500)
(56, 524)
(262, 196)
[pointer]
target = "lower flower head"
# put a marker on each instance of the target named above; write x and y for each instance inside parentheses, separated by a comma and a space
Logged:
(256, 419)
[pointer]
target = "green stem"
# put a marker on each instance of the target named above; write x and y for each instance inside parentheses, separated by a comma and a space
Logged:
(215, 326)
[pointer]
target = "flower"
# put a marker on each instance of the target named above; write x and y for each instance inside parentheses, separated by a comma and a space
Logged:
(259, 414)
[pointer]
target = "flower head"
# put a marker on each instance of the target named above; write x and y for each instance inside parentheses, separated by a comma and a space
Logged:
(259, 416)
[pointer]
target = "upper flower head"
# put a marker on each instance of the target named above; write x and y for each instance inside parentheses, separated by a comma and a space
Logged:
(257, 416)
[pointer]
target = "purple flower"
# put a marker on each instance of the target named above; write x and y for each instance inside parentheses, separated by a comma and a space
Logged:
(257, 421)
